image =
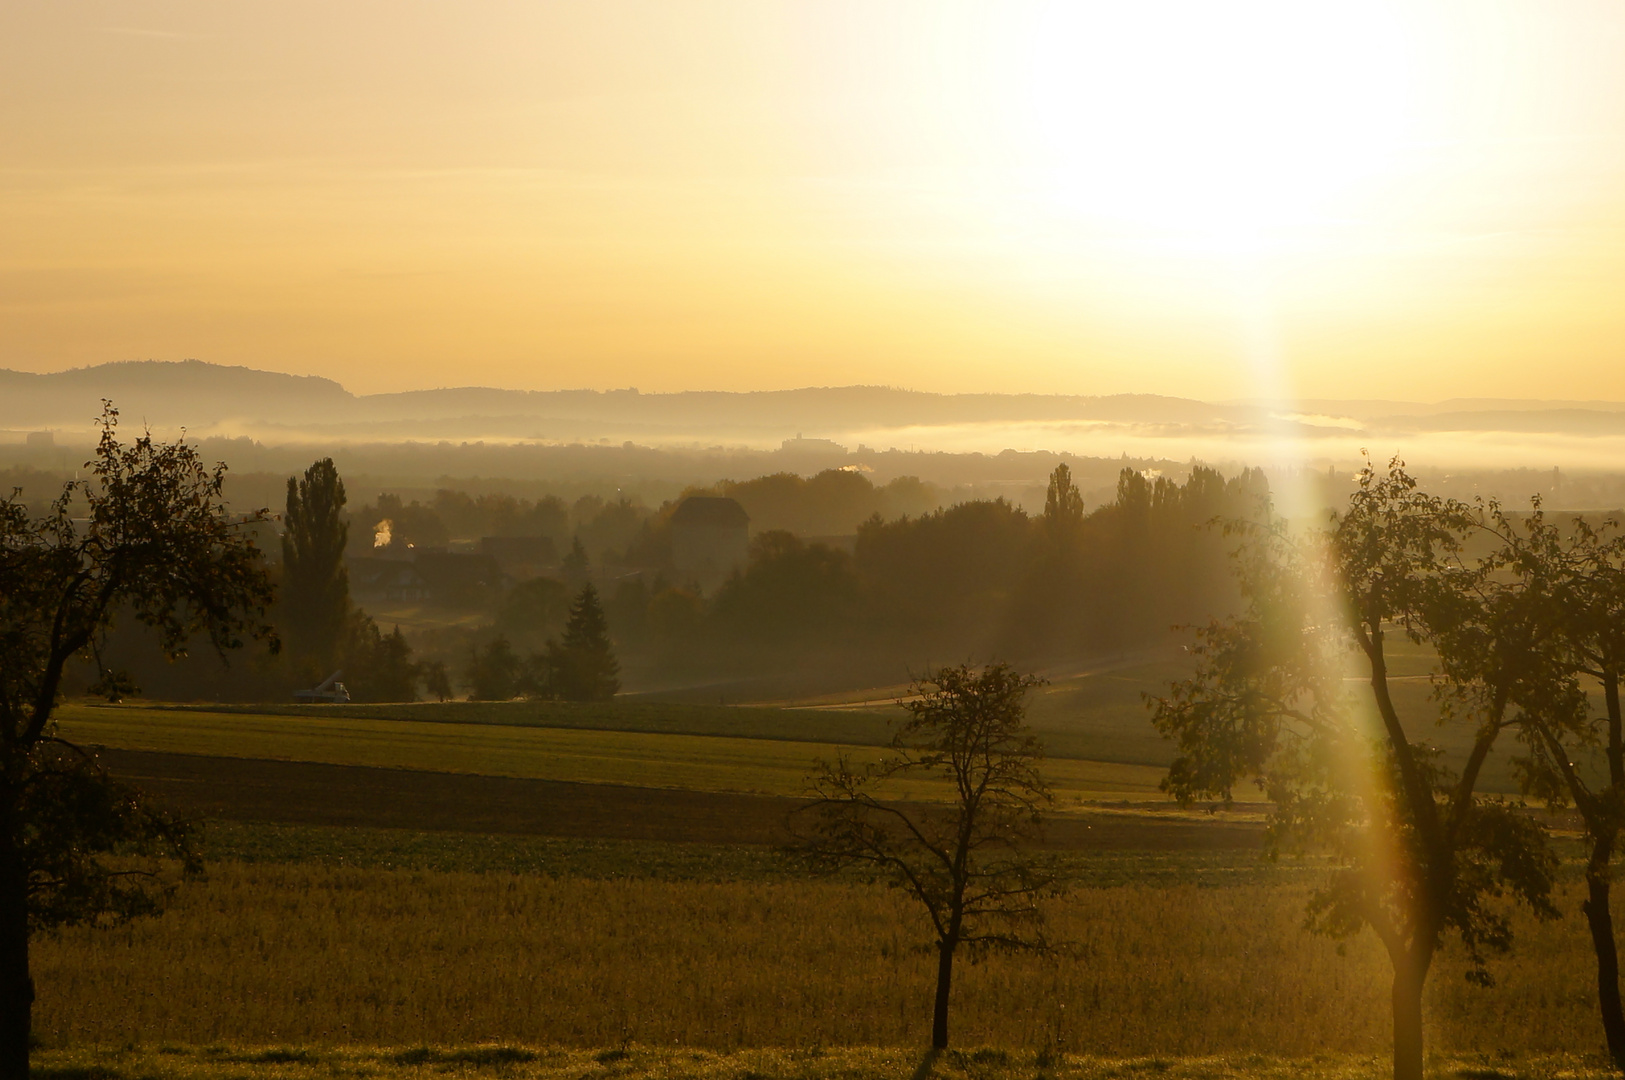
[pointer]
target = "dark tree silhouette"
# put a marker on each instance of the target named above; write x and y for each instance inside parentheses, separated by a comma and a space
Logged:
(1576, 583)
(1420, 853)
(582, 662)
(378, 666)
(963, 862)
(789, 592)
(576, 565)
(147, 535)
(315, 600)
(436, 681)
(1063, 503)
(533, 610)
(494, 672)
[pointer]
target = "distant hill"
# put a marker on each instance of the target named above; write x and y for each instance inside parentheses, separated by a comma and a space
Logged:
(203, 396)
(167, 394)
(214, 399)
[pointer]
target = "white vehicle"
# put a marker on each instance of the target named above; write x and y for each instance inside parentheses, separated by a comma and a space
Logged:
(331, 692)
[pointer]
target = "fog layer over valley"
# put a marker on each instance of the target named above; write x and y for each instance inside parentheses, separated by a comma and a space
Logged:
(863, 422)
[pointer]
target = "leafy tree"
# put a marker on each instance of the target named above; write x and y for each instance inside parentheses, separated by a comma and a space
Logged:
(609, 531)
(436, 681)
(944, 579)
(1420, 854)
(582, 664)
(146, 533)
(378, 666)
(315, 601)
(1576, 584)
(790, 591)
(532, 610)
(833, 502)
(494, 672)
(1063, 503)
(113, 684)
(500, 515)
(576, 565)
(964, 864)
(628, 607)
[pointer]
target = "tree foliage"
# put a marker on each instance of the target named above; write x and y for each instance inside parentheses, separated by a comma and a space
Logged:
(1574, 584)
(790, 591)
(581, 664)
(315, 602)
(145, 535)
(1420, 855)
(495, 672)
(378, 666)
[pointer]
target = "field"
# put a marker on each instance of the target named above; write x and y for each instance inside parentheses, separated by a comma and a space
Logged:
(250, 789)
(275, 953)
(220, 1062)
(535, 889)
(700, 762)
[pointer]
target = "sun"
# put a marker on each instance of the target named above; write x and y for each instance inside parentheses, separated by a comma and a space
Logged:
(1184, 117)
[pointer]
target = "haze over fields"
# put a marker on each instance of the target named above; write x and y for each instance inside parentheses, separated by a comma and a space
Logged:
(276, 409)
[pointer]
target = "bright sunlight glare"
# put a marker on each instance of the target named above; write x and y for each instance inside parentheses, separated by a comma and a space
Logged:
(1218, 122)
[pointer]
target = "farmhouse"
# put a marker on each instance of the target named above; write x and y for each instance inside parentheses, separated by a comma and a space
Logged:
(709, 536)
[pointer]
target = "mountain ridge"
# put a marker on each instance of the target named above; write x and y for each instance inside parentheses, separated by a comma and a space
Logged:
(208, 397)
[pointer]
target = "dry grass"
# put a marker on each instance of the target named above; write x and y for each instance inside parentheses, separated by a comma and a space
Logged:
(276, 954)
(173, 1062)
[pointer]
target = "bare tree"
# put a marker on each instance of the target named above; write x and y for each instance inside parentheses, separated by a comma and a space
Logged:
(963, 861)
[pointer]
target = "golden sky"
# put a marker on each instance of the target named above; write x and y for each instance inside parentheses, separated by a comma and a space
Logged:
(1416, 201)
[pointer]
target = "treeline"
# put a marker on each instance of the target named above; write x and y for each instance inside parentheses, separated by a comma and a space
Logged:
(979, 579)
(625, 532)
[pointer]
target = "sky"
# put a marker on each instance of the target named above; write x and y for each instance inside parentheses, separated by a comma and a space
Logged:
(1251, 199)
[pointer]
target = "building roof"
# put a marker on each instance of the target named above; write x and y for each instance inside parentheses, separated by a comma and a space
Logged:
(712, 511)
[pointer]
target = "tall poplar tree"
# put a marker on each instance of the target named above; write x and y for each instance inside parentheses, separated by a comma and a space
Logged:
(315, 583)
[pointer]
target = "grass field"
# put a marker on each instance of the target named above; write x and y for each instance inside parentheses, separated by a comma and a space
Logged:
(296, 954)
(694, 762)
(851, 727)
(255, 789)
(610, 859)
(590, 891)
(178, 1062)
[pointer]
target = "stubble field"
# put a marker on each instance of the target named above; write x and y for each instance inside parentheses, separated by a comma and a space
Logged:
(524, 890)
(305, 954)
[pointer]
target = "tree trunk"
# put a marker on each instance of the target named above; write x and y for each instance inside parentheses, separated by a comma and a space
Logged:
(1410, 975)
(1601, 921)
(945, 978)
(16, 983)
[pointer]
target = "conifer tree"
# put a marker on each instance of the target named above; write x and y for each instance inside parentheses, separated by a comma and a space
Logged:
(583, 662)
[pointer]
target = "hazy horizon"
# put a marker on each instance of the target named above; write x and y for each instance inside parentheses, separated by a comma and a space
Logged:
(1268, 200)
(277, 409)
